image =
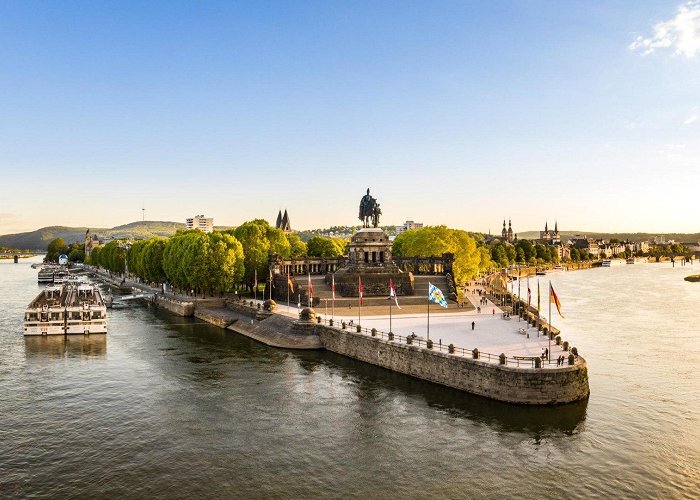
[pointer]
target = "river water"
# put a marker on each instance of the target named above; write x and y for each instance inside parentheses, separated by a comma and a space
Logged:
(166, 407)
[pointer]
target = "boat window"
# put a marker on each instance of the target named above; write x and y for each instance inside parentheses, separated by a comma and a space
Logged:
(96, 315)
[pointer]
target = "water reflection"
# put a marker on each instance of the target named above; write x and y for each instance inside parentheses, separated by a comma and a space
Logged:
(535, 421)
(71, 346)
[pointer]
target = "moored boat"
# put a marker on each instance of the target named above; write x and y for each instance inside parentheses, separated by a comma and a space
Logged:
(606, 263)
(72, 308)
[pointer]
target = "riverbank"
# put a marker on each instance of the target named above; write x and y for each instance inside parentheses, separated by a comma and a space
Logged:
(503, 360)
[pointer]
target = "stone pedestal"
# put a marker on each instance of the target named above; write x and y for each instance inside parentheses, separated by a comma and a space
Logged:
(369, 257)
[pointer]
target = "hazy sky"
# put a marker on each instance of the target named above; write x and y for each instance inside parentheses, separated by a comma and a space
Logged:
(462, 113)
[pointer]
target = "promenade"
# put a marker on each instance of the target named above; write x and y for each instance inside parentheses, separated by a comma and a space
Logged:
(491, 335)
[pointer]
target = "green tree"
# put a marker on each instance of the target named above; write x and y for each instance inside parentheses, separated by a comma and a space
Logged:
(297, 248)
(260, 241)
(322, 246)
(437, 240)
(55, 248)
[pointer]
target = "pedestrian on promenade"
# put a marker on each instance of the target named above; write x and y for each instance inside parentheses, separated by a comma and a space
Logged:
(493, 312)
(473, 324)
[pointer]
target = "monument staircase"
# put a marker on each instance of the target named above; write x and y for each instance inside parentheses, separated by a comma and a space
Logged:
(322, 291)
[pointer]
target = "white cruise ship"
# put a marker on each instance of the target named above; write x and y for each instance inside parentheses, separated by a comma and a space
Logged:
(71, 309)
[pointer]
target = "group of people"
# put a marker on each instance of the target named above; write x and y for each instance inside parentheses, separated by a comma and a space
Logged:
(561, 360)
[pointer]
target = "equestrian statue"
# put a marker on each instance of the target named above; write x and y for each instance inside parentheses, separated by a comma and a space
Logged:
(369, 211)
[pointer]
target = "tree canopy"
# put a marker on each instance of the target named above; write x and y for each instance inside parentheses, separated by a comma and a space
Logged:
(323, 246)
(436, 240)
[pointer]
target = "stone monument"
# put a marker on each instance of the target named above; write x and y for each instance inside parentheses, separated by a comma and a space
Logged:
(369, 258)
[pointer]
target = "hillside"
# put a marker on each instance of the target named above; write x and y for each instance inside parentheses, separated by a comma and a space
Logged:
(39, 239)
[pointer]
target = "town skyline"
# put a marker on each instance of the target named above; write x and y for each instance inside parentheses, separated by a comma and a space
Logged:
(462, 115)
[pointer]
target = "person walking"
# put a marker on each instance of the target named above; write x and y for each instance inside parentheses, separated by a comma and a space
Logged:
(473, 324)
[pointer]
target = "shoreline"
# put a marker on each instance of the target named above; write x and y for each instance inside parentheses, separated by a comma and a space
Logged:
(519, 379)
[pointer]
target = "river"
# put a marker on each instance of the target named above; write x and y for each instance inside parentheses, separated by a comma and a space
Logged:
(166, 407)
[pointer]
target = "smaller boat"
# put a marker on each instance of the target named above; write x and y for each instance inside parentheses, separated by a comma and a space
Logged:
(630, 260)
(606, 263)
(541, 272)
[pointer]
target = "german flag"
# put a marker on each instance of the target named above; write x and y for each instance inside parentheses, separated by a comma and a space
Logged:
(554, 299)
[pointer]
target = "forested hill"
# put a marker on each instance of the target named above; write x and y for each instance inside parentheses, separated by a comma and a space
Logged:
(39, 239)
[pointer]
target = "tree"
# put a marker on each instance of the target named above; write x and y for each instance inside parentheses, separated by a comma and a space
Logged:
(260, 241)
(437, 240)
(55, 248)
(297, 248)
(322, 246)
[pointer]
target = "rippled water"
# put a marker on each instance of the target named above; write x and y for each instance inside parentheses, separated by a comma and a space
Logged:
(165, 407)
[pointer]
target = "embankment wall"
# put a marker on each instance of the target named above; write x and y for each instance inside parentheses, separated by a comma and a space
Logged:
(510, 384)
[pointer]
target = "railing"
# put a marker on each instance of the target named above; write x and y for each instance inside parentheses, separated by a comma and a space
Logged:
(518, 361)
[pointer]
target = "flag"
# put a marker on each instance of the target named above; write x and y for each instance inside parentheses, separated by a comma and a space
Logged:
(333, 287)
(311, 288)
(392, 293)
(538, 295)
(554, 299)
(435, 295)
(290, 283)
(360, 290)
(529, 293)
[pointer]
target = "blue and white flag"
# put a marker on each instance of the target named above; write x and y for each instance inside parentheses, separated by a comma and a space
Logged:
(435, 295)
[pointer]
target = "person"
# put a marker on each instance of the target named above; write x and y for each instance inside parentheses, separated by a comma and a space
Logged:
(473, 324)
(546, 352)
(493, 312)
(478, 309)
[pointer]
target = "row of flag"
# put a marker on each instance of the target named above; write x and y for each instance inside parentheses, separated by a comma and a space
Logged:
(434, 293)
(553, 298)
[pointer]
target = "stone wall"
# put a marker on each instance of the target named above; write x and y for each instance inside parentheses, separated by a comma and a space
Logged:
(529, 386)
(175, 306)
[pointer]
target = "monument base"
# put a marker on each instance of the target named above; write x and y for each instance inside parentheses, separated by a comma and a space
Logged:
(375, 281)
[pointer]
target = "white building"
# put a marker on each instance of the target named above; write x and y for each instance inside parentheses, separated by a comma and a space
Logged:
(200, 222)
(408, 226)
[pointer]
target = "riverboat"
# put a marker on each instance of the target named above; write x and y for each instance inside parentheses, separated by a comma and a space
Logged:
(605, 263)
(541, 272)
(630, 260)
(45, 274)
(69, 309)
(45, 314)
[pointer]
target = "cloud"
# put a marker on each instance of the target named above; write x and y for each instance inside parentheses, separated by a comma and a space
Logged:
(682, 33)
(691, 119)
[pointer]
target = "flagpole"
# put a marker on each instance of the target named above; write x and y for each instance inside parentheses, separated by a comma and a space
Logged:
(288, 280)
(549, 329)
(390, 310)
(428, 317)
(359, 300)
(333, 304)
(255, 288)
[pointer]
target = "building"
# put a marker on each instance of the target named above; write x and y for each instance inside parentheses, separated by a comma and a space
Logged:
(92, 241)
(549, 237)
(507, 235)
(408, 225)
(200, 222)
(283, 222)
(587, 244)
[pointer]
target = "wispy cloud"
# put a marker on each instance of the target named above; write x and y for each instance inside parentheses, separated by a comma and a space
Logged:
(690, 119)
(681, 33)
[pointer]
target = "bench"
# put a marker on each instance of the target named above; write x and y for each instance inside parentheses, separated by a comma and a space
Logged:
(526, 358)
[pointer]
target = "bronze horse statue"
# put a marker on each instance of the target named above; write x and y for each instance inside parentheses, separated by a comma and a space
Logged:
(369, 211)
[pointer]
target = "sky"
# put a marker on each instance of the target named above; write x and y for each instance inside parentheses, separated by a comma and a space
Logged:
(461, 113)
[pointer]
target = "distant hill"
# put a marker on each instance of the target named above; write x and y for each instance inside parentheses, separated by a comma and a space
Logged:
(39, 239)
(566, 235)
